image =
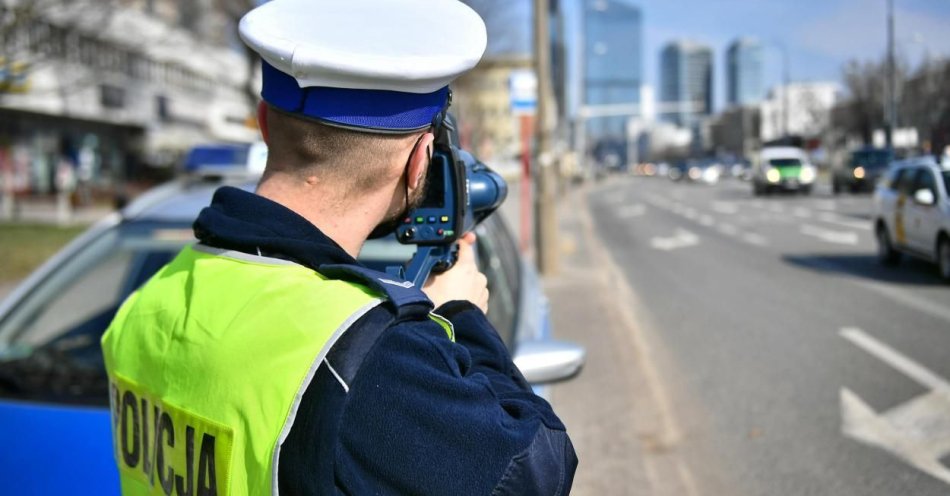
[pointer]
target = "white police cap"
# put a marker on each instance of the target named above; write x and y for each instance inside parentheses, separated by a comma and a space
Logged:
(374, 65)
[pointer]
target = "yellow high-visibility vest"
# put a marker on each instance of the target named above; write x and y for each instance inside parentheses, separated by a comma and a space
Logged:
(207, 365)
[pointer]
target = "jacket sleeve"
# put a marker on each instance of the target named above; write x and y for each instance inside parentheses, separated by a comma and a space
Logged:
(428, 416)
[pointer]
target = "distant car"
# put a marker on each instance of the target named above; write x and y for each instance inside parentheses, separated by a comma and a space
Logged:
(698, 171)
(782, 168)
(677, 171)
(862, 170)
(912, 213)
(54, 418)
(705, 171)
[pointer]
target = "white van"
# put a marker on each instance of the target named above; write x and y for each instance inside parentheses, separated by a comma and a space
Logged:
(782, 168)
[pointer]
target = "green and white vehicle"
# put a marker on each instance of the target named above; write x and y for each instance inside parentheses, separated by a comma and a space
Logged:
(782, 168)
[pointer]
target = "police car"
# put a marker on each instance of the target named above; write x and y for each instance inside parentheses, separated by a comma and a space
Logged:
(782, 168)
(912, 213)
(54, 419)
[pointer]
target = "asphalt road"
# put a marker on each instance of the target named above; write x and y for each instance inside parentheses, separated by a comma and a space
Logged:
(795, 364)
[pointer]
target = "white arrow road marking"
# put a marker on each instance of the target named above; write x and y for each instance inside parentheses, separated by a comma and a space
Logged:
(682, 239)
(631, 211)
(917, 431)
(836, 237)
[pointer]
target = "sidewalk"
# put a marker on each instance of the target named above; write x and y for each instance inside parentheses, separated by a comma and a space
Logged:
(616, 411)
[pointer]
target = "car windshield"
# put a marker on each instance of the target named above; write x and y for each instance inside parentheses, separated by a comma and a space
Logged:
(785, 162)
(870, 159)
(946, 181)
(49, 343)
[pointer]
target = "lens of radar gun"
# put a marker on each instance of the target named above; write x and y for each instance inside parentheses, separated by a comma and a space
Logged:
(486, 190)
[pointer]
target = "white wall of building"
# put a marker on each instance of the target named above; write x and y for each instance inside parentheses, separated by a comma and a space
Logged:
(158, 77)
(809, 109)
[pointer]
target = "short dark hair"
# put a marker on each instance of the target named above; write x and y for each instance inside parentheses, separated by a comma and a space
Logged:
(356, 160)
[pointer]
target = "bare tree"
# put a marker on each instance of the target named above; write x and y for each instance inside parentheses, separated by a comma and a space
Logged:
(927, 106)
(865, 84)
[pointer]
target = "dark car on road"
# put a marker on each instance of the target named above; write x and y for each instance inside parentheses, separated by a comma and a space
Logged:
(54, 418)
(862, 170)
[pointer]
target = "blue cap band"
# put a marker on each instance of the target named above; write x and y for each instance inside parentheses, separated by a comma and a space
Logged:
(371, 110)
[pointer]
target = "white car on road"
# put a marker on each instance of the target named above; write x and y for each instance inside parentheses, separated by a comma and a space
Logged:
(784, 168)
(912, 212)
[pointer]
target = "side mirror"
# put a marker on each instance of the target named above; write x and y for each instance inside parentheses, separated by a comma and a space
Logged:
(546, 361)
(924, 197)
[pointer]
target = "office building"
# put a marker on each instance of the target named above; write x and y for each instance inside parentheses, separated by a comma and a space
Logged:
(118, 91)
(686, 74)
(613, 66)
(744, 72)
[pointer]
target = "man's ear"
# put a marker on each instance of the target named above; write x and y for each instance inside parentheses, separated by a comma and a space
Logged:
(262, 121)
(419, 162)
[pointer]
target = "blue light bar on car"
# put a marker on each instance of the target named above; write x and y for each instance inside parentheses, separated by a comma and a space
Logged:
(221, 158)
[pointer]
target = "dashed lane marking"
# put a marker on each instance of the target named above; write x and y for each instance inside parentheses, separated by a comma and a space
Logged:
(725, 208)
(682, 239)
(755, 239)
(802, 213)
(835, 237)
(631, 211)
(728, 229)
(616, 198)
(836, 220)
(916, 431)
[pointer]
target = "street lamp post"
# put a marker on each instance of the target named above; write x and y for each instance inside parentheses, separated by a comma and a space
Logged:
(545, 170)
(786, 81)
(891, 78)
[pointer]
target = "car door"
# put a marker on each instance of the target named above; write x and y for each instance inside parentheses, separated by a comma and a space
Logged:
(55, 429)
(922, 218)
(498, 259)
(896, 205)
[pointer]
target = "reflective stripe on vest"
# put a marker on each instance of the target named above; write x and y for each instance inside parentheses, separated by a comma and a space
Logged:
(208, 363)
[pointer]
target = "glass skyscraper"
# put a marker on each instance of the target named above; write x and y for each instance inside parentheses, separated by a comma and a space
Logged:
(612, 70)
(744, 71)
(686, 82)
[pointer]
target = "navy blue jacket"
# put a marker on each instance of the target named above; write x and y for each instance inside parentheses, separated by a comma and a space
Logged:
(411, 412)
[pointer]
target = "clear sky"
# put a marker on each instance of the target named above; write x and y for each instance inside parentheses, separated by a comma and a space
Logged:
(821, 35)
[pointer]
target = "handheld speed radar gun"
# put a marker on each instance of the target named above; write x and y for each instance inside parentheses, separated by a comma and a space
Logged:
(460, 193)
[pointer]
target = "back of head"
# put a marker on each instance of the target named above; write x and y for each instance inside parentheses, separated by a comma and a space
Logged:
(352, 161)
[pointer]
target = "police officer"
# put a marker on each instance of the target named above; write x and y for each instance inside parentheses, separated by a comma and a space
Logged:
(265, 359)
